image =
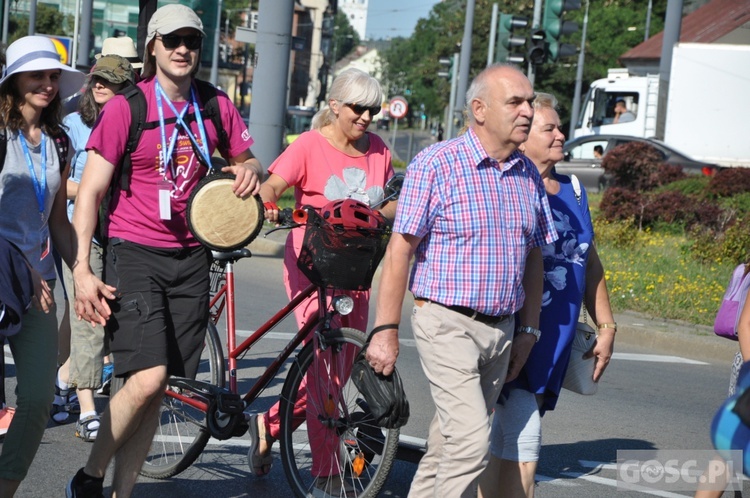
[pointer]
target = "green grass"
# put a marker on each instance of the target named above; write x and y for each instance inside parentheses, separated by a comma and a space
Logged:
(652, 272)
(287, 199)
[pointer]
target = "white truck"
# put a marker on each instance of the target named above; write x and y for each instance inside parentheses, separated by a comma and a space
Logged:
(708, 107)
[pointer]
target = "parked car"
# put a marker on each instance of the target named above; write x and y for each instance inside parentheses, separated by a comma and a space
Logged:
(581, 160)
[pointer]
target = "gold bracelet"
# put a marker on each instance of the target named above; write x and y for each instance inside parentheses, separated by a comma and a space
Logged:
(612, 326)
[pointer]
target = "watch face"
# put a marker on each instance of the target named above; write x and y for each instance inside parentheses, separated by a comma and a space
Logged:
(530, 330)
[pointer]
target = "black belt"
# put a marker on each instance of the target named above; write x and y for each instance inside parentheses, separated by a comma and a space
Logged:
(466, 311)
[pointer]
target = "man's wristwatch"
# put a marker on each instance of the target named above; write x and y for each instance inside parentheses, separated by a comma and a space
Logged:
(529, 330)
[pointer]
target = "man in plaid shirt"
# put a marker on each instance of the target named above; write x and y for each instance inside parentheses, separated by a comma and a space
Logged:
(473, 212)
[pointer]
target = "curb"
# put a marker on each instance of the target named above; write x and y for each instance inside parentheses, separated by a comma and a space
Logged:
(266, 247)
(696, 342)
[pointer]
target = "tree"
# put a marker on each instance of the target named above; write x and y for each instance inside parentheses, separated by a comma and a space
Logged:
(413, 63)
(49, 21)
(345, 37)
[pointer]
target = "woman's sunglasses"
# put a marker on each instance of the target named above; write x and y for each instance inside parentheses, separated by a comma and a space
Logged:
(360, 109)
(171, 42)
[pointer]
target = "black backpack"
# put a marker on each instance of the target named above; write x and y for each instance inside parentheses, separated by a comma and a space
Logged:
(208, 98)
(62, 144)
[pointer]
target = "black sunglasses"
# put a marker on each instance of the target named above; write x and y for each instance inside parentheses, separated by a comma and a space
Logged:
(360, 109)
(171, 42)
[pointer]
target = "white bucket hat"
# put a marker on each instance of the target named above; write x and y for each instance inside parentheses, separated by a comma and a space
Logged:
(38, 53)
(122, 46)
(166, 20)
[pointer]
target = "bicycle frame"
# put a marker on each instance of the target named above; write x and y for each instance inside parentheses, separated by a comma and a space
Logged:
(225, 299)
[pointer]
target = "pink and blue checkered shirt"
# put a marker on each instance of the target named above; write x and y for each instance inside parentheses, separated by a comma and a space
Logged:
(477, 219)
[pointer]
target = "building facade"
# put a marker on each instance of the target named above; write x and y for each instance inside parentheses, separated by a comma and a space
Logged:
(356, 13)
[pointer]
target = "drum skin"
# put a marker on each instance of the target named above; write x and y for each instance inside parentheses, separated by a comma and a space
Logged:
(219, 219)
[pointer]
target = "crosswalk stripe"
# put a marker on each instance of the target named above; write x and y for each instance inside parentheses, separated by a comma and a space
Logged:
(655, 358)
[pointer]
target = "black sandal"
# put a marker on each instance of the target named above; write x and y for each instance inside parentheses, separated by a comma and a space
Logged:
(69, 406)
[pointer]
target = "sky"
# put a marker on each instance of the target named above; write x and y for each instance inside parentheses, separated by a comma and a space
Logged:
(392, 18)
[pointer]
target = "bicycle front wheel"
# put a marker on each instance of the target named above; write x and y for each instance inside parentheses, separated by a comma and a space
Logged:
(329, 444)
(181, 433)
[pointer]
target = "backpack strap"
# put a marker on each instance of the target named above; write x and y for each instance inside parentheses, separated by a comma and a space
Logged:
(138, 109)
(137, 102)
(576, 187)
(62, 145)
(209, 98)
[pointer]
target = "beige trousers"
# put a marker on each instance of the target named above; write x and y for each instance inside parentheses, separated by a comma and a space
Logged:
(465, 362)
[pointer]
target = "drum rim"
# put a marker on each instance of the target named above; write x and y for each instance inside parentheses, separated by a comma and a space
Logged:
(189, 215)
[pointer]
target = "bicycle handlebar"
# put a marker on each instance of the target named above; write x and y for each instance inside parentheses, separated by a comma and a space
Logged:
(289, 218)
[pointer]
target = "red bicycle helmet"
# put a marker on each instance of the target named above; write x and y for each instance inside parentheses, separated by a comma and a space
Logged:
(350, 214)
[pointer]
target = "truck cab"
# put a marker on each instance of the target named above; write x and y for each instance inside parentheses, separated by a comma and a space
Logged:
(298, 120)
(637, 95)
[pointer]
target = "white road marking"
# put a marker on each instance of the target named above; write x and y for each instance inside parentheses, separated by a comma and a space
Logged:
(655, 358)
(286, 336)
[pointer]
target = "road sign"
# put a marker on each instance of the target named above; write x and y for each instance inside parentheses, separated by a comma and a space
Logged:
(245, 35)
(398, 107)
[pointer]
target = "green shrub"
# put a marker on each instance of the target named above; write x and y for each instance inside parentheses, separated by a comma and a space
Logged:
(398, 164)
(730, 181)
(621, 234)
(732, 245)
(736, 243)
(738, 204)
(691, 185)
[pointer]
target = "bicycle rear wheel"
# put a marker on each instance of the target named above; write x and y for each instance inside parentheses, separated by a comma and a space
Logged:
(353, 455)
(181, 433)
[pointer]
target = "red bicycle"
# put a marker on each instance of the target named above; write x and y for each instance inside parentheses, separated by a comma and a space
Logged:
(335, 259)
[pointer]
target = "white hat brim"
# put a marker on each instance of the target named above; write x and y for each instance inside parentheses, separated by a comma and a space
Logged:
(71, 80)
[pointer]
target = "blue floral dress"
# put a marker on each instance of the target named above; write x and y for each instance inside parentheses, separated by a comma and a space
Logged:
(564, 283)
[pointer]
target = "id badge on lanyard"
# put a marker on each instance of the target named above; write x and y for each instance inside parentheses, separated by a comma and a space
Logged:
(165, 199)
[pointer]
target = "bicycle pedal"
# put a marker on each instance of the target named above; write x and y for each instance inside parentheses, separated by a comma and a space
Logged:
(230, 403)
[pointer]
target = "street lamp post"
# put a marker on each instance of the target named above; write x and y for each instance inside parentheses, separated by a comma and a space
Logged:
(579, 75)
(215, 62)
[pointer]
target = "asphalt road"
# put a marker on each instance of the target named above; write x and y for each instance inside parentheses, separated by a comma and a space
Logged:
(647, 399)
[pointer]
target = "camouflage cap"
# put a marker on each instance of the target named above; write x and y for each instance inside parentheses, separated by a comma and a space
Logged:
(114, 69)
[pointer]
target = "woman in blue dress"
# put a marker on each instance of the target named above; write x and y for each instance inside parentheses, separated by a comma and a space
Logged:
(572, 272)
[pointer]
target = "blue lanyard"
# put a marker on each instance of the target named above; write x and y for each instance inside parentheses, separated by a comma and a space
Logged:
(167, 152)
(40, 186)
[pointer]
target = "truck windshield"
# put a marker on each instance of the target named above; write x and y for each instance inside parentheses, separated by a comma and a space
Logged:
(298, 120)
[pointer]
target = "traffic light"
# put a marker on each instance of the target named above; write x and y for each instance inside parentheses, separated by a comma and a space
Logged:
(446, 67)
(555, 27)
(506, 42)
(537, 47)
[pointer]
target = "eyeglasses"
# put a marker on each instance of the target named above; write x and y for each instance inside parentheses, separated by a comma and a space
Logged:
(360, 109)
(171, 42)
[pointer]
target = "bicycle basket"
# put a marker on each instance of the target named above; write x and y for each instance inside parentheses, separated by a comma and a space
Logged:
(341, 258)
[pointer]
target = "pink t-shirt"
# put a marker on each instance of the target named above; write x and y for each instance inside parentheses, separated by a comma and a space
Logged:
(320, 173)
(134, 215)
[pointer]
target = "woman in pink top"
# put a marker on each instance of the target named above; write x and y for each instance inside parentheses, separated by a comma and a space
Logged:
(337, 159)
